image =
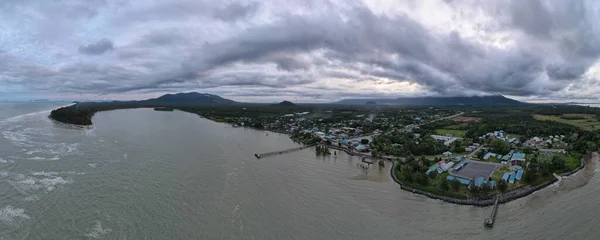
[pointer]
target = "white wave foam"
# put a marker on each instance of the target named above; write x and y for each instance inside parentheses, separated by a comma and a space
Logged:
(46, 181)
(97, 231)
(37, 141)
(12, 216)
(93, 165)
(2, 160)
(31, 198)
(44, 173)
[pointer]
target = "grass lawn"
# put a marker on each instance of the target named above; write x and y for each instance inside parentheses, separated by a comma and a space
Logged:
(497, 175)
(453, 132)
(588, 122)
(573, 161)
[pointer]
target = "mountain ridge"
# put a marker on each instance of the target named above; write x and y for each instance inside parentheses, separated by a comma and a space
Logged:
(192, 98)
(495, 100)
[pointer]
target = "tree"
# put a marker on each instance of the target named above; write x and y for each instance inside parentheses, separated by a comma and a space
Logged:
(480, 154)
(364, 141)
(473, 188)
(408, 177)
(444, 184)
(502, 186)
(500, 146)
(530, 175)
(485, 188)
(455, 185)
(422, 179)
(433, 174)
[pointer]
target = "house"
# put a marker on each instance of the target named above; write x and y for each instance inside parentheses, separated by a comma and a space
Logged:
(459, 179)
(447, 153)
(362, 148)
(537, 139)
(489, 155)
(479, 181)
(517, 159)
(443, 167)
(505, 177)
(519, 175)
(469, 149)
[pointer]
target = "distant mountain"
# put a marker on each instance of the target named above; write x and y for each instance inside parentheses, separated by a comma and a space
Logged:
(497, 100)
(285, 104)
(191, 98)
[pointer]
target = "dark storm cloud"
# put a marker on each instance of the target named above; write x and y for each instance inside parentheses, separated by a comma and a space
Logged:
(520, 48)
(100, 47)
(533, 17)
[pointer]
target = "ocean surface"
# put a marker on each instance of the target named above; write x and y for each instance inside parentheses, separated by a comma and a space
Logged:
(144, 174)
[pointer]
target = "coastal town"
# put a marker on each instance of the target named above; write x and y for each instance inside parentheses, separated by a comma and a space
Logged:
(455, 153)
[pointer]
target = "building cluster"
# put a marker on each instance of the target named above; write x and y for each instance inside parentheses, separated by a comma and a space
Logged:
(502, 136)
(447, 140)
(553, 141)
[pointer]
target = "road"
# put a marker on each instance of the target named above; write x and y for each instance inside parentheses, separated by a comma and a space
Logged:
(452, 116)
(475, 151)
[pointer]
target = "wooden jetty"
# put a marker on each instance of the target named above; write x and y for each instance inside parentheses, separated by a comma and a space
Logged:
(268, 154)
(489, 222)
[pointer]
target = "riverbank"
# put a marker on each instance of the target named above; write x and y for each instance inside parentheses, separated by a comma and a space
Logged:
(490, 199)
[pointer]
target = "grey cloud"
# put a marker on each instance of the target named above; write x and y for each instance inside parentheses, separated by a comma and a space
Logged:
(188, 44)
(291, 64)
(98, 48)
(235, 11)
(532, 16)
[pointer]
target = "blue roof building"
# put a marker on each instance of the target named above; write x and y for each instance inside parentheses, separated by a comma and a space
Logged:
(362, 148)
(519, 175)
(505, 177)
(461, 180)
(517, 159)
(518, 156)
(492, 183)
(479, 181)
(432, 168)
(511, 179)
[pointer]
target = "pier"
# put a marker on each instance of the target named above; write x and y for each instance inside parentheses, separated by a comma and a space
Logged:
(489, 222)
(268, 154)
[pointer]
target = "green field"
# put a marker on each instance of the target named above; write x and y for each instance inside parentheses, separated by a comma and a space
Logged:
(587, 122)
(453, 132)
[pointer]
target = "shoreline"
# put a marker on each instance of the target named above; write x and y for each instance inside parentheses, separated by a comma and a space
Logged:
(70, 124)
(487, 200)
(478, 201)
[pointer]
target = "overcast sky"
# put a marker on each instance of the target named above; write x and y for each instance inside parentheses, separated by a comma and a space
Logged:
(300, 50)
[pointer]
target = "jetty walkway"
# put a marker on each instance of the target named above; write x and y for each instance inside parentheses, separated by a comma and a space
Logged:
(268, 154)
(489, 222)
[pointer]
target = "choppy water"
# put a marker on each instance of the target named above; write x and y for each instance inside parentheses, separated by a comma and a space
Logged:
(142, 174)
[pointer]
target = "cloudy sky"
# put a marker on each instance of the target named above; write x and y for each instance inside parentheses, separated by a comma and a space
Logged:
(300, 50)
